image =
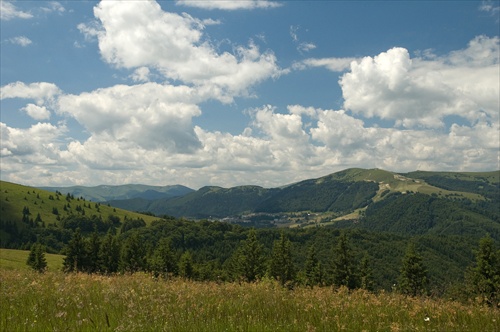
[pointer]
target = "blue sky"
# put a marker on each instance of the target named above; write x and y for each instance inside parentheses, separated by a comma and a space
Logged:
(245, 92)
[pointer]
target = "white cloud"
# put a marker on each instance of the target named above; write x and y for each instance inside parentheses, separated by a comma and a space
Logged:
(306, 47)
(141, 74)
(8, 11)
(149, 115)
(53, 6)
(37, 112)
(139, 34)
(35, 145)
(144, 133)
(20, 40)
(332, 64)
(489, 6)
(422, 92)
(293, 32)
(39, 91)
(229, 4)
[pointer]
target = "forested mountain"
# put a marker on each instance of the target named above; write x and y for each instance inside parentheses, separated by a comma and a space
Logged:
(104, 193)
(340, 193)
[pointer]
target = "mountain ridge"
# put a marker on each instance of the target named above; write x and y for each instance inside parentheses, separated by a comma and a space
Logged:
(343, 191)
(103, 193)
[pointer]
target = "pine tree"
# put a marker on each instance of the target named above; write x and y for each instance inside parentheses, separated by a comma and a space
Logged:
(365, 274)
(413, 277)
(133, 255)
(36, 258)
(250, 260)
(484, 276)
(109, 254)
(313, 268)
(343, 269)
(76, 254)
(281, 267)
(93, 249)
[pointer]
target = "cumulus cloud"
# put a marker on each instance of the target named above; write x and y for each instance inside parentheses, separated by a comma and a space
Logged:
(148, 115)
(8, 11)
(139, 34)
(422, 91)
(141, 74)
(145, 133)
(37, 112)
(229, 4)
(20, 40)
(35, 145)
(39, 91)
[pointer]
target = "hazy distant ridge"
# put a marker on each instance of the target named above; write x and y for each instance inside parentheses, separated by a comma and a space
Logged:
(105, 193)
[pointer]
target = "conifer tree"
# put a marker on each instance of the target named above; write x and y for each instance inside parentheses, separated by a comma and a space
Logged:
(413, 277)
(365, 274)
(76, 254)
(313, 268)
(36, 258)
(281, 267)
(484, 275)
(93, 249)
(250, 260)
(343, 268)
(109, 254)
(132, 258)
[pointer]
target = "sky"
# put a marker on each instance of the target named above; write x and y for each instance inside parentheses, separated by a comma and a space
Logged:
(254, 92)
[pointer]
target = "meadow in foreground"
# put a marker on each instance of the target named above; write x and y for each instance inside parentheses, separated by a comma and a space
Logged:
(55, 301)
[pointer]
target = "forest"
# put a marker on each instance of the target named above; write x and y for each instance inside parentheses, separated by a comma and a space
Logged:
(443, 236)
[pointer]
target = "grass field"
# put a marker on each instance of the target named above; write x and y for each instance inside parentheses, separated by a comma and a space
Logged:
(16, 260)
(55, 301)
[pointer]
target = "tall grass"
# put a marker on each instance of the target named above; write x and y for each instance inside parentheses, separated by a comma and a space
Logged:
(60, 302)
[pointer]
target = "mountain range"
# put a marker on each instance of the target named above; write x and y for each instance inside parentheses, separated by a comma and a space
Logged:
(105, 193)
(339, 194)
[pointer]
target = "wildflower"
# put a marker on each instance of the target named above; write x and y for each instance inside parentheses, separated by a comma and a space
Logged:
(427, 319)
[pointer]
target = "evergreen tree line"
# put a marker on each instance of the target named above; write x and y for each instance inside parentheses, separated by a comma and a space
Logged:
(250, 263)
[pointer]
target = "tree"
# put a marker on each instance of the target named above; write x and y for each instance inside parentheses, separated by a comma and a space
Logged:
(109, 254)
(132, 258)
(36, 258)
(343, 268)
(281, 267)
(93, 249)
(186, 266)
(313, 268)
(249, 260)
(484, 275)
(413, 277)
(163, 260)
(76, 254)
(365, 274)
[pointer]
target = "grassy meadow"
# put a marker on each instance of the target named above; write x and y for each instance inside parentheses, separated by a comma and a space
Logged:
(11, 259)
(15, 197)
(55, 301)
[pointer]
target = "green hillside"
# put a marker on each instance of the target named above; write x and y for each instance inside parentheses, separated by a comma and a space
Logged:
(342, 193)
(23, 207)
